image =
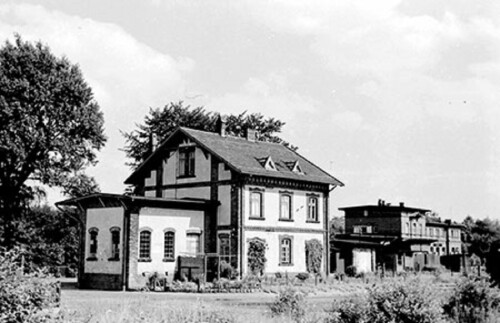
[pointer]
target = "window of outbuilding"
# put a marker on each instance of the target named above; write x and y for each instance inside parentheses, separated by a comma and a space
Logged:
(145, 245)
(93, 232)
(115, 243)
(169, 245)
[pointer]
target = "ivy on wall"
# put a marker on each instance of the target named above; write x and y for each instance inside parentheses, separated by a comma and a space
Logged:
(314, 255)
(257, 256)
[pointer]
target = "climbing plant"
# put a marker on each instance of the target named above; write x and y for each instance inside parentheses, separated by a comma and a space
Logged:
(257, 256)
(314, 255)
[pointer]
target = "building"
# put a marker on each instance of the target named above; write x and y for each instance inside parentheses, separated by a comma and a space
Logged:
(203, 197)
(395, 238)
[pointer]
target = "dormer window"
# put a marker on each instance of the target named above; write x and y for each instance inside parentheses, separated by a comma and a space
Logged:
(267, 163)
(294, 166)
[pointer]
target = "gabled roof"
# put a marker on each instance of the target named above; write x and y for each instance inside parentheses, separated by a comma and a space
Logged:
(245, 157)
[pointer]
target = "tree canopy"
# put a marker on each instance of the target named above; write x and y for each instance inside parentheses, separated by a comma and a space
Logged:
(162, 122)
(50, 125)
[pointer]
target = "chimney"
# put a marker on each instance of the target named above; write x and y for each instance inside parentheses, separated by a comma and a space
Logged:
(401, 204)
(221, 125)
(251, 134)
(153, 142)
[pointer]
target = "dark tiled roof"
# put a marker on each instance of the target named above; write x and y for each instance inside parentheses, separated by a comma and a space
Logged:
(245, 156)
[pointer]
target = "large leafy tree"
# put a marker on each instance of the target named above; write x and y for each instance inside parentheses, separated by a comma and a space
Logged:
(162, 122)
(480, 235)
(50, 124)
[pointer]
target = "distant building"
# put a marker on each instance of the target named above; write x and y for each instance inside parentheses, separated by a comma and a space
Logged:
(202, 196)
(395, 237)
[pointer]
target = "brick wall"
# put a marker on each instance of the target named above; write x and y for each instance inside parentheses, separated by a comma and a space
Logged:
(135, 281)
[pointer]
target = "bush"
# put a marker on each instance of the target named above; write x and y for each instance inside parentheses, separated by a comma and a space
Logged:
(290, 303)
(257, 256)
(472, 301)
(314, 255)
(351, 271)
(397, 301)
(349, 311)
(303, 276)
(25, 297)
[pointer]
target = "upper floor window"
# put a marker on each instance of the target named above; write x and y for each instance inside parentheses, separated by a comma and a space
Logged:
(286, 251)
(186, 162)
(115, 243)
(193, 243)
(285, 206)
(169, 245)
(93, 232)
(145, 245)
(256, 205)
(312, 208)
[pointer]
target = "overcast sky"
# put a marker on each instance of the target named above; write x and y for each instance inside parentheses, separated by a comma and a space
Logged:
(397, 99)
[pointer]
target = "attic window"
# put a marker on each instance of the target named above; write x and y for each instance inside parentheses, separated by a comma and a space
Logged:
(267, 163)
(294, 166)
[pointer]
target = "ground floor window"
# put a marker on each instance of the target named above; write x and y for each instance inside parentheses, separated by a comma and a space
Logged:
(145, 245)
(169, 246)
(115, 243)
(93, 232)
(285, 255)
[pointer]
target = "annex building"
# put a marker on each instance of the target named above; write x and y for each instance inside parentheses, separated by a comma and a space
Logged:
(396, 238)
(201, 198)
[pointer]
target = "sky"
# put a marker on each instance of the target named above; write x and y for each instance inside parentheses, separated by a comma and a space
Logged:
(397, 99)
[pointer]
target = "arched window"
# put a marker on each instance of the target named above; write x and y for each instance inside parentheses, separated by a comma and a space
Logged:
(115, 243)
(145, 245)
(312, 209)
(169, 246)
(285, 250)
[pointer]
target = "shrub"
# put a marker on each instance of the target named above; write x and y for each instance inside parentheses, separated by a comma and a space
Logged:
(404, 301)
(351, 271)
(472, 301)
(349, 311)
(25, 297)
(257, 256)
(314, 255)
(302, 276)
(395, 301)
(290, 303)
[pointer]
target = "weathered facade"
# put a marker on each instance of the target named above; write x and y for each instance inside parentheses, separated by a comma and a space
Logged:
(395, 238)
(233, 191)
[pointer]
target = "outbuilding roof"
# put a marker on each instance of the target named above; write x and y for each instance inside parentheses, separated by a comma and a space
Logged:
(248, 157)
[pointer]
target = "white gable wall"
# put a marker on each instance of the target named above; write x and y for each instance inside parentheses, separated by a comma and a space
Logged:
(103, 219)
(160, 219)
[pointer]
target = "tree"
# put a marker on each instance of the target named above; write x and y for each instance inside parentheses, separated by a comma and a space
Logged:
(162, 122)
(50, 124)
(480, 235)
